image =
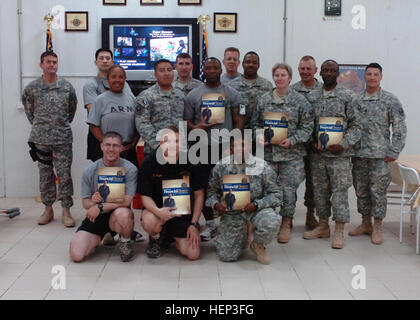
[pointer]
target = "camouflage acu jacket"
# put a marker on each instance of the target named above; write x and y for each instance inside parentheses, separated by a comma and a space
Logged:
(377, 114)
(50, 109)
(300, 124)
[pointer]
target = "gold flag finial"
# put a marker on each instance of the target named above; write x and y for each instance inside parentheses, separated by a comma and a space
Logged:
(49, 19)
(203, 20)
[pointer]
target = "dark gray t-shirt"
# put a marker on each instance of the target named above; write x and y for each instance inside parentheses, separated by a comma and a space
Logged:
(90, 178)
(115, 112)
(194, 102)
(94, 87)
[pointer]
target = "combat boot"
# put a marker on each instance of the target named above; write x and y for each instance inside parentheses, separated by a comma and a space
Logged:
(261, 253)
(377, 231)
(47, 216)
(284, 234)
(249, 234)
(322, 231)
(67, 219)
(311, 222)
(338, 238)
(364, 228)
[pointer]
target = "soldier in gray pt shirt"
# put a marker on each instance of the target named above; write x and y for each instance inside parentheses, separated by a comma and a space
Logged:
(102, 218)
(231, 100)
(92, 89)
(231, 61)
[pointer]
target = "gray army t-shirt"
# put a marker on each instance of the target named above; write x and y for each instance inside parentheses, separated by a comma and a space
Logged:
(225, 78)
(94, 87)
(90, 178)
(115, 112)
(194, 101)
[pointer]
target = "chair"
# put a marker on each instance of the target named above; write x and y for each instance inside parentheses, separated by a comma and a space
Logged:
(409, 177)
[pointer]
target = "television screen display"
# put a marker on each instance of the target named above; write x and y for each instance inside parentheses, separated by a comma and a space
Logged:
(139, 47)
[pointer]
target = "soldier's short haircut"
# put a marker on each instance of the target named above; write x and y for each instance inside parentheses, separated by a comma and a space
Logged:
(307, 58)
(374, 65)
(112, 134)
(283, 66)
(48, 54)
(162, 61)
(252, 52)
(183, 55)
(232, 49)
(330, 60)
(103, 50)
(113, 67)
(214, 58)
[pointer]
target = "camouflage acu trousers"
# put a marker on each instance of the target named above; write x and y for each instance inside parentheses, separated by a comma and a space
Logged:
(290, 176)
(332, 179)
(232, 232)
(309, 187)
(62, 156)
(371, 178)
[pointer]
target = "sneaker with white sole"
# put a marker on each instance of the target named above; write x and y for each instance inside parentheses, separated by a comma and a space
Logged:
(209, 232)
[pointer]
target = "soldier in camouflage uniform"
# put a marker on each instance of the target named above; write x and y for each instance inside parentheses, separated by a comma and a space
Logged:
(50, 105)
(159, 106)
(307, 70)
(250, 85)
(286, 157)
(185, 82)
(266, 194)
(331, 168)
(378, 109)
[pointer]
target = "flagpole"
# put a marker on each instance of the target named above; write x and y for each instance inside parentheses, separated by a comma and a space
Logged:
(202, 19)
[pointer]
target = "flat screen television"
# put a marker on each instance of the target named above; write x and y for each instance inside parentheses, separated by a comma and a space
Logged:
(137, 43)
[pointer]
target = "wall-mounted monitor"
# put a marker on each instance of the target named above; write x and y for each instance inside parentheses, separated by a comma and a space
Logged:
(138, 43)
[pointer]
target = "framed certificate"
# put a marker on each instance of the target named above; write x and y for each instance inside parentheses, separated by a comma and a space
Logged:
(225, 22)
(151, 2)
(77, 21)
(114, 2)
(189, 2)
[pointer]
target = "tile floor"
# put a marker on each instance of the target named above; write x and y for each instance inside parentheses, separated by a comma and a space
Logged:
(301, 269)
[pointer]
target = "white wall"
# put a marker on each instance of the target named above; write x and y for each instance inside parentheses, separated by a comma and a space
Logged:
(389, 38)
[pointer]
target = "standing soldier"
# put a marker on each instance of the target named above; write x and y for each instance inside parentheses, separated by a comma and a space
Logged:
(231, 61)
(266, 195)
(185, 82)
(159, 106)
(378, 111)
(307, 70)
(286, 156)
(250, 85)
(50, 105)
(92, 89)
(331, 168)
(195, 102)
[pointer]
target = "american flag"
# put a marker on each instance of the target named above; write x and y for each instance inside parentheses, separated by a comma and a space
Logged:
(203, 55)
(49, 45)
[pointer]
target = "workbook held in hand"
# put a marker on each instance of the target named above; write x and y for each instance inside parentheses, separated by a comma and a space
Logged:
(213, 108)
(330, 131)
(236, 191)
(111, 183)
(276, 125)
(176, 194)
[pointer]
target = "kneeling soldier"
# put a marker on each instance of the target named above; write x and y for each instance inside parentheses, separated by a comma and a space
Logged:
(266, 195)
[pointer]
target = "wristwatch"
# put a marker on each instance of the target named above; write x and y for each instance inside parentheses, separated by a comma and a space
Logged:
(196, 225)
(101, 208)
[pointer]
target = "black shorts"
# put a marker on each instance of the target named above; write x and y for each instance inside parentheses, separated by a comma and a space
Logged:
(100, 227)
(177, 227)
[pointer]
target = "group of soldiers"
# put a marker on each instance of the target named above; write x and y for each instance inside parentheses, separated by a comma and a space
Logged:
(374, 133)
